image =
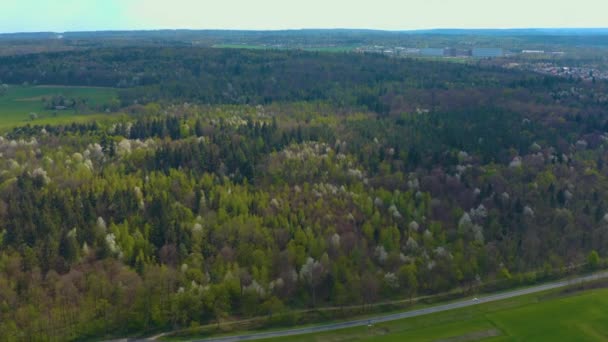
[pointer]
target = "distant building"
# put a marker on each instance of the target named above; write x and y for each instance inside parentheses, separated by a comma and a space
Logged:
(411, 51)
(433, 52)
(454, 52)
(487, 52)
(533, 51)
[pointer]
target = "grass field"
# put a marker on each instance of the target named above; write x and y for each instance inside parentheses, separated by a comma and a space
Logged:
(345, 48)
(550, 316)
(19, 101)
(241, 46)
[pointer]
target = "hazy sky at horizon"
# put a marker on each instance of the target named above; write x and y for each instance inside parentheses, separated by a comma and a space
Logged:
(85, 15)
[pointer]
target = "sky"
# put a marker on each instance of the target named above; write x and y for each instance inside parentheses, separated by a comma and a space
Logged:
(90, 15)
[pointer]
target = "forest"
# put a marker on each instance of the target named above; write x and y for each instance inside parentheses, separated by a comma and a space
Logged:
(242, 183)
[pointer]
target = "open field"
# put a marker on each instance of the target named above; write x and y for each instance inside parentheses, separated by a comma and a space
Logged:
(546, 316)
(241, 46)
(19, 101)
(339, 48)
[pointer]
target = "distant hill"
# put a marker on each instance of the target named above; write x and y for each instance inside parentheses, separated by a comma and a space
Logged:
(517, 32)
(332, 39)
(185, 34)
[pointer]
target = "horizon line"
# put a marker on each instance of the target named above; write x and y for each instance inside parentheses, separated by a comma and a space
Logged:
(315, 29)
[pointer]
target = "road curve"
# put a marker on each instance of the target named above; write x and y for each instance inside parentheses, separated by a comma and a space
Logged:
(407, 314)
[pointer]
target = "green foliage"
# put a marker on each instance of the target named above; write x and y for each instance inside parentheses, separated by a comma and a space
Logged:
(593, 260)
(184, 214)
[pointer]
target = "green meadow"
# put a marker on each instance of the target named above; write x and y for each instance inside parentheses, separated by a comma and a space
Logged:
(345, 48)
(552, 316)
(241, 46)
(19, 101)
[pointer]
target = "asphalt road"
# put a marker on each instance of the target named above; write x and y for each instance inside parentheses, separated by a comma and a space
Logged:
(407, 314)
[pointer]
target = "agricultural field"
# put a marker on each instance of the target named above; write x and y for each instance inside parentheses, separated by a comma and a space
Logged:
(241, 46)
(548, 316)
(19, 102)
(333, 48)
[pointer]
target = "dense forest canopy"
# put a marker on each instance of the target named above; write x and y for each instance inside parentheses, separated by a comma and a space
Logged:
(236, 76)
(245, 183)
(239, 76)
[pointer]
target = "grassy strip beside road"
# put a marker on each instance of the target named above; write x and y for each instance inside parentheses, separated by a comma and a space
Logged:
(418, 312)
(554, 315)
